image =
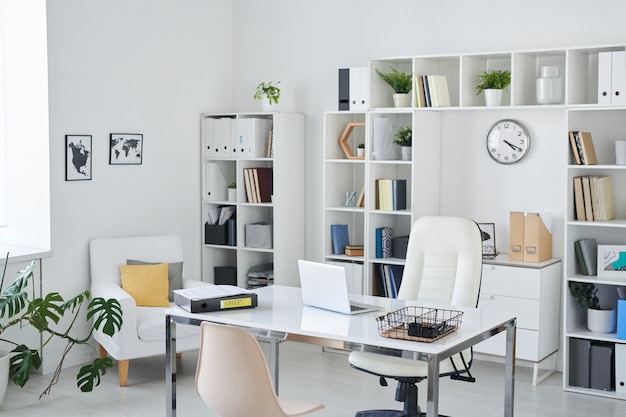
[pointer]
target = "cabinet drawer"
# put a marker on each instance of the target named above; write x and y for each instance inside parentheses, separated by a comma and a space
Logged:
(511, 281)
(526, 311)
(526, 347)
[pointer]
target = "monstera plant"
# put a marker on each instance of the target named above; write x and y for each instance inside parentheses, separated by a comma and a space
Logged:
(19, 306)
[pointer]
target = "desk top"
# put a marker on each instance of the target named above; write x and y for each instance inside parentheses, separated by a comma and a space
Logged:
(280, 309)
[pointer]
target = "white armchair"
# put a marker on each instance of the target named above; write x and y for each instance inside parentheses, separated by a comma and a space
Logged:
(143, 330)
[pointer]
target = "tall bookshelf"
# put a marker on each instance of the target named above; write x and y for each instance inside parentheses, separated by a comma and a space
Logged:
(224, 161)
(450, 140)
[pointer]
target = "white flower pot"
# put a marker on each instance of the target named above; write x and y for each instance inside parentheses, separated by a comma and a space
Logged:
(402, 100)
(601, 321)
(360, 152)
(493, 97)
(4, 373)
(406, 152)
(232, 195)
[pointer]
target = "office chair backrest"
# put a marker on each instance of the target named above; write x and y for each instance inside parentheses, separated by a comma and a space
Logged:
(443, 262)
(232, 377)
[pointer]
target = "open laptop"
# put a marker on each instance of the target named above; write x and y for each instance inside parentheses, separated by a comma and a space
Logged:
(326, 286)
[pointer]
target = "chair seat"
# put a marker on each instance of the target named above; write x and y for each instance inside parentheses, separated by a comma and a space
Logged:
(298, 408)
(392, 366)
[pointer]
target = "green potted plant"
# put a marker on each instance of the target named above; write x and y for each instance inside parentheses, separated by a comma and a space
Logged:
(360, 150)
(601, 320)
(232, 192)
(401, 83)
(19, 306)
(268, 91)
(404, 138)
(492, 82)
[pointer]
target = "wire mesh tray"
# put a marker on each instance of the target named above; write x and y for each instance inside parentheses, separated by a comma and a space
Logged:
(421, 324)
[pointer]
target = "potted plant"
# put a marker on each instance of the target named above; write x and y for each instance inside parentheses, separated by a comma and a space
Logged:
(232, 192)
(19, 306)
(601, 320)
(360, 150)
(404, 138)
(492, 82)
(268, 91)
(401, 83)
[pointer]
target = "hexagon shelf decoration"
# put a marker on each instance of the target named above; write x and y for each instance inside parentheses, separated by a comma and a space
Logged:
(343, 140)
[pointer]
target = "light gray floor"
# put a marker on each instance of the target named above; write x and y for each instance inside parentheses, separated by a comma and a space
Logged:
(306, 373)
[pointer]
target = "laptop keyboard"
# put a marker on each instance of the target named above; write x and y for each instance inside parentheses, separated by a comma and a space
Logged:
(357, 308)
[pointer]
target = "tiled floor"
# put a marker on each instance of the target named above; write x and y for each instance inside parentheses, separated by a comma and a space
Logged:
(306, 373)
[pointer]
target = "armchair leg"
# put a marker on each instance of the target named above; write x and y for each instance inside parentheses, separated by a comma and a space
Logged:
(122, 367)
(102, 353)
(179, 355)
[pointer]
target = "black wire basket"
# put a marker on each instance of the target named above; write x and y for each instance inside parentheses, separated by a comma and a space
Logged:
(421, 324)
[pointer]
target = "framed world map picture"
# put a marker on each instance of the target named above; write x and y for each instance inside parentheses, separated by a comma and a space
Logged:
(125, 149)
(77, 157)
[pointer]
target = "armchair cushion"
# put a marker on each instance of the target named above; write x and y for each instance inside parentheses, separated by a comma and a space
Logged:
(147, 284)
(174, 275)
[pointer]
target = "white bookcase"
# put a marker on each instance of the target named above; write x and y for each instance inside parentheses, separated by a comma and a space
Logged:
(224, 160)
(446, 138)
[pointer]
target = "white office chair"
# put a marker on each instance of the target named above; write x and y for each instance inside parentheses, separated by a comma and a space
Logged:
(232, 377)
(143, 330)
(443, 266)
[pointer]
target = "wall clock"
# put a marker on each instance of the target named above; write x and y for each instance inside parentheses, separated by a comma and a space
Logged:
(508, 141)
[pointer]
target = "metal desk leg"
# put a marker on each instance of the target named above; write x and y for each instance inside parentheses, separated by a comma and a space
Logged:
(432, 396)
(170, 367)
(274, 354)
(509, 370)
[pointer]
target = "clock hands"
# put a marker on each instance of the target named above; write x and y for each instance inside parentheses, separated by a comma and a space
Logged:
(515, 148)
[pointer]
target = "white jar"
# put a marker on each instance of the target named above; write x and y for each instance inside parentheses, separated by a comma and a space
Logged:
(549, 86)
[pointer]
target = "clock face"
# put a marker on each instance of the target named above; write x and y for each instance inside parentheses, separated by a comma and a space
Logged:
(508, 141)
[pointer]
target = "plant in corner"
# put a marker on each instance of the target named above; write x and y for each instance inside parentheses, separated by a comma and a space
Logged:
(269, 90)
(19, 306)
(601, 320)
(493, 80)
(585, 294)
(404, 136)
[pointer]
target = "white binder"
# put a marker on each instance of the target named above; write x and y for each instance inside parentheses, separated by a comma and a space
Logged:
(358, 88)
(253, 136)
(217, 139)
(215, 187)
(207, 137)
(604, 78)
(618, 78)
(620, 368)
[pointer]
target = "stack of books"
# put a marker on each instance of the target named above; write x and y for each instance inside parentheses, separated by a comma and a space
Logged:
(431, 91)
(593, 198)
(259, 184)
(388, 279)
(582, 148)
(390, 194)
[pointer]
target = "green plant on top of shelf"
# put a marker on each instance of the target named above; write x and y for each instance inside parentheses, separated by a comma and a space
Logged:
(361, 146)
(232, 185)
(400, 82)
(493, 79)
(270, 90)
(404, 136)
(585, 294)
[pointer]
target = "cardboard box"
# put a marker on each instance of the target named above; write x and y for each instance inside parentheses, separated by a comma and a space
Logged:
(537, 239)
(516, 236)
(259, 235)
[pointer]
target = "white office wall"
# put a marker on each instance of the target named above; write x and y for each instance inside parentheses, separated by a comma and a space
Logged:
(303, 43)
(140, 66)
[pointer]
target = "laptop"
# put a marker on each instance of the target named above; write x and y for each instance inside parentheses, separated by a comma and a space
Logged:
(326, 286)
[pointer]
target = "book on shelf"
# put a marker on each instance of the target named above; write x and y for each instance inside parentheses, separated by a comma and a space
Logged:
(384, 237)
(431, 91)
(586, 251)
(340, 238)
(593, 198)
(264, 182)
(249, 184)
(354, 250)
(360, 202)
(583, 148)
(390, 194)
(388, 279)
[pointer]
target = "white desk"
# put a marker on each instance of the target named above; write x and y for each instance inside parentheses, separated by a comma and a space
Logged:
(280, 313)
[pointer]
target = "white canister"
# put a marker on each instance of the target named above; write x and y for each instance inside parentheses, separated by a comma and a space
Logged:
(549, 86)
(620, 152)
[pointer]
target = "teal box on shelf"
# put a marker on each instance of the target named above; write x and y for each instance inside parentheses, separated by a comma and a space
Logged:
(621, 319)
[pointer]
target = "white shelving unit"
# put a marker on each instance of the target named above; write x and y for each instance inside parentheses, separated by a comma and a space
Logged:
(441, 144)
(285, 211)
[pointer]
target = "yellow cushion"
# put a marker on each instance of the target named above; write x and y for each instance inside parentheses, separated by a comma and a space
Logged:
(147, 284)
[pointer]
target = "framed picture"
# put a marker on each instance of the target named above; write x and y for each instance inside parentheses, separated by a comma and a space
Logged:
(77, 157)
(488, 237)
(612, 261)
(125, 149)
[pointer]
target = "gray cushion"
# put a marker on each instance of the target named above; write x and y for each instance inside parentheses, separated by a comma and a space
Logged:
(174, 274)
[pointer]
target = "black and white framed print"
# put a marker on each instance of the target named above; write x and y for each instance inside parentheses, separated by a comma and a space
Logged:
(77, 157)
(488, 237)
(125, 149)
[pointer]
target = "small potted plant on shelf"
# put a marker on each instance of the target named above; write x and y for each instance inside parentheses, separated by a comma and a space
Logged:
(492, 83)
(19, 306)
(268, 93)
(232, 192)
(600, 320)
(404, 138)
(360, 150)
(401, 83)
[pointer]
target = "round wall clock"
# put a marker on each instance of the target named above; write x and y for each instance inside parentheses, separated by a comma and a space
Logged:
(508, 141)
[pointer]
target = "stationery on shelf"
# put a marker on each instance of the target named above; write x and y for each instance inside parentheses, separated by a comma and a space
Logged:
(214, 298)
(354, 250)
(586, 251)
(384, 236)
(582, 148)
(593, 198)
(340, 238)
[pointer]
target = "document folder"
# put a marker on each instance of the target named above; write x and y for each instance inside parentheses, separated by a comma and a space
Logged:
(214, 298)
